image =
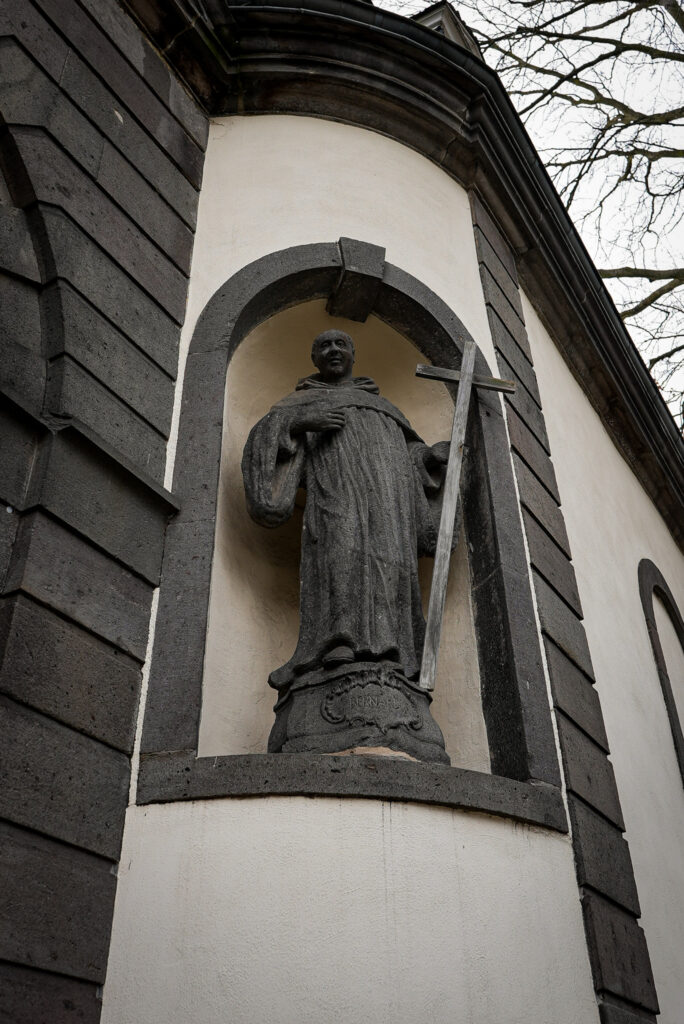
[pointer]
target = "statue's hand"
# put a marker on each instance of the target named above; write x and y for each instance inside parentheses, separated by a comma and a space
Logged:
(318, 421)
(440, 452)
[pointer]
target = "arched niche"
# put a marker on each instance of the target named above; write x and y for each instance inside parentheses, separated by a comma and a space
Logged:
(253, 605)
(355, 281)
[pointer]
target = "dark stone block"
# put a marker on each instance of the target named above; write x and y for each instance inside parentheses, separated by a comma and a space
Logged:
(58, 181)
(602, 856)
(85, 488)
(618, 953)
(574, 694)
(22, 376)
(9, 523)
(515, 358)
(511, 317)
(20, 317)
(92, 273)
(94, 47)
(485, 222)
(20, 438)
(29, 996)
(537, 500)
(76, 328)
(61, 783)
(58, 668)
(150, 159)
(523, 403)
(175, 689)
(489, 258)
(169, 777)
(588, 772)
(48, 48)
(196, 475)
(552, 563)
(530, 450)
(563, 626)
(128, 38)
(29, 97)
(359, 282)
(56, 905)
(74, 394)
(146, 207)
(63, 571)
(16, 245)
(614, 1011)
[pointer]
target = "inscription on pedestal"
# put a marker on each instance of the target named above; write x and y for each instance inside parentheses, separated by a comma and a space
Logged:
(384, 704)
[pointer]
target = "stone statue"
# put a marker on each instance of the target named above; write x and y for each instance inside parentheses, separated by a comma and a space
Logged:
(371, 488)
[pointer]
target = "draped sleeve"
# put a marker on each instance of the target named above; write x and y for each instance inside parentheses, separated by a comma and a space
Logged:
(272, 467)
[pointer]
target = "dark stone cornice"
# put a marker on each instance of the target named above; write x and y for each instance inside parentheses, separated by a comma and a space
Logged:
(348, 61)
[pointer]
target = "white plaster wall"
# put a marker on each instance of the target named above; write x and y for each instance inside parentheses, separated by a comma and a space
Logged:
(612, 524)
(292, 910)
(275, 181)
(254, 604)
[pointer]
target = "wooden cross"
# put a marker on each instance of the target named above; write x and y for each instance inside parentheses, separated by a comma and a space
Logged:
(466, 380)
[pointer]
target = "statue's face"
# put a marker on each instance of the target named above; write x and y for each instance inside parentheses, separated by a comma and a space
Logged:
(333, 357)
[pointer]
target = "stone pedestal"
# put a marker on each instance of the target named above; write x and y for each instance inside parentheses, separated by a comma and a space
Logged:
(364, 704)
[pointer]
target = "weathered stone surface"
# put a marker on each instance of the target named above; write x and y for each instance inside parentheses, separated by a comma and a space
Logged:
(90, 42)
(56, 667)
(63, 571)
(507, 347)
(552, 563)
(168, 777)
(588, 772)
(77, 329)
(19, 443)
(575, 695)
(56, 905)
(485, 222)
(602, 856)
(86, 488)
(28, 996)
(531, 451)
(111, 291)
(562, 625)
(359, 282)
(614, 1011)
(487, 256)
(618, 953)
(75, 394)
(16, 245)
(539, 502)
(61, 783)
(523, 403)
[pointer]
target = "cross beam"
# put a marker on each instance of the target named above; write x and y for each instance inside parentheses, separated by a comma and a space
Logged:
(466, 381)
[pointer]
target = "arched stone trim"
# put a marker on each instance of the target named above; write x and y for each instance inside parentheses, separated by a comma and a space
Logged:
(652, 583)
(515, 702)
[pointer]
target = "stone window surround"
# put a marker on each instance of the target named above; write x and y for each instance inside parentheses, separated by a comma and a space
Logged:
(652, 584)
(525, 780)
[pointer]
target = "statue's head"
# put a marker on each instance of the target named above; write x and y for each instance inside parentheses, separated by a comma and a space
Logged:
(332, 354)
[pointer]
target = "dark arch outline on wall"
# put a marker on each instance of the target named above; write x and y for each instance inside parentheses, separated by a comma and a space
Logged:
(525, 778)
(652, 584)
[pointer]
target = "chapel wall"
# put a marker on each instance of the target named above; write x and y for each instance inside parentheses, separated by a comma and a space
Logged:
(612, 525)
(299, 911)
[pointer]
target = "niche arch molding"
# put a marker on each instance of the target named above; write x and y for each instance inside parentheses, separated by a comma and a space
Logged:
(525, 780)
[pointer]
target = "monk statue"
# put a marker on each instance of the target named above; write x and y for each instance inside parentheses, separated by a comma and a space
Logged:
(372, 492)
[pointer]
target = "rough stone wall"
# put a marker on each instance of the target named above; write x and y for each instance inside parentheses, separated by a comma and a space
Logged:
(101, 160)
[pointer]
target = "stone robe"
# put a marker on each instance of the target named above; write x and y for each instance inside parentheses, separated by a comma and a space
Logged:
(366, 520)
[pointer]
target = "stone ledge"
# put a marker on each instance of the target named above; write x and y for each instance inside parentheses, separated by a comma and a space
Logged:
(167, 777)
